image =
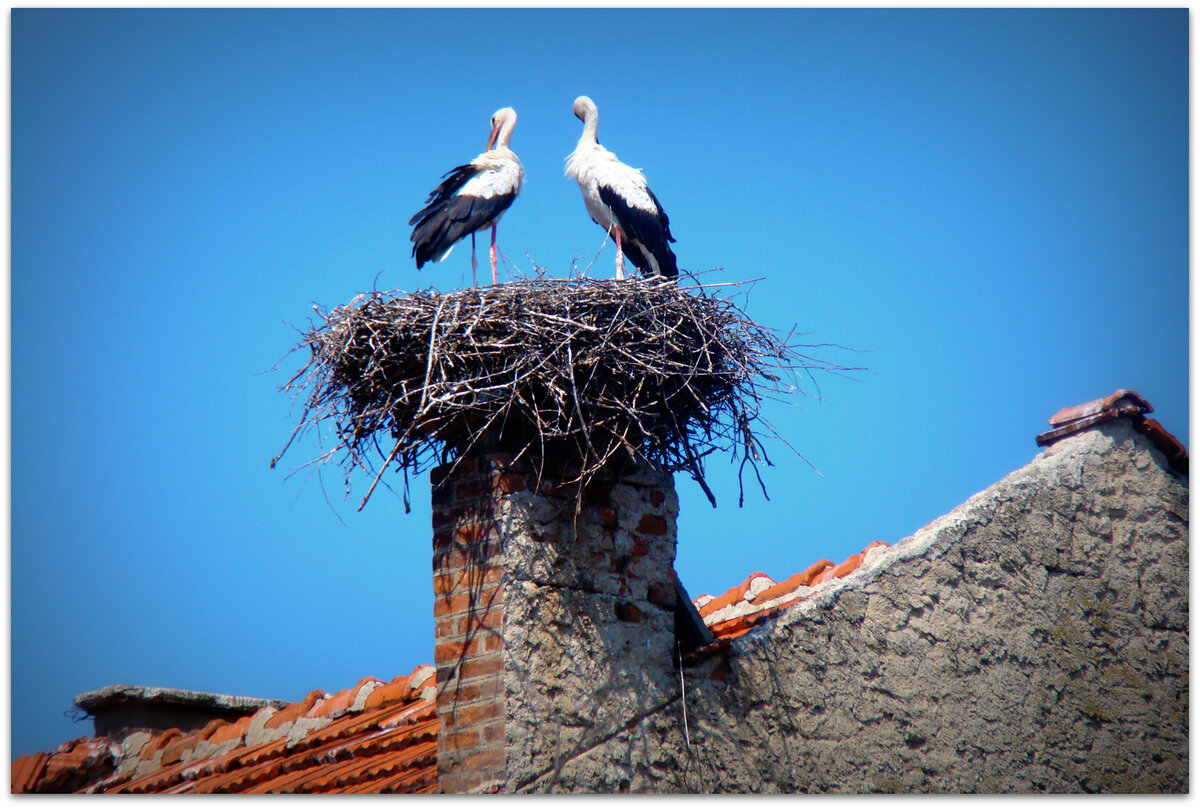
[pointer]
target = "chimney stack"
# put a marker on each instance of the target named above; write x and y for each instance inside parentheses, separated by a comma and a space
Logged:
(555, 624)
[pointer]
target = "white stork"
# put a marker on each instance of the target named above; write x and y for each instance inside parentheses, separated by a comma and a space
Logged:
(471, 198)
(618, 199)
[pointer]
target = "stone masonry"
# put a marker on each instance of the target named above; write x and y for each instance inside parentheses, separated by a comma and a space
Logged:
(554, 626)
(1034, 640)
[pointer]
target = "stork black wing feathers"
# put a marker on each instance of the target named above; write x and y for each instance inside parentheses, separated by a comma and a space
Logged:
(450, 216)
(648, 231)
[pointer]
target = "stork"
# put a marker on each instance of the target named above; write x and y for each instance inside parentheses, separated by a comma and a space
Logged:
(618, 199)
(470, 198)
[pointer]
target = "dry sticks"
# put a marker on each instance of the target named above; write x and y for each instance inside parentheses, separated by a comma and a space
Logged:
(576, 372)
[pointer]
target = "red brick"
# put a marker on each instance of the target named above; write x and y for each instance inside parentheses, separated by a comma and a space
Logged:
(448, 604)
(472, 691)
(469, 489)
(474, 532)
(657, 498)
(640, 545)
(445, 583)
(652, 525)
(509, 483)
(469, 558)
(462, 717)
(608, 517)
(463, 606)
(492, 757)
(662, 595)
(443, 536)
(464, 738)
(447, 650)
(628, 612)
(455, 626)
(484, 665)
(459, 512)
(463, 467)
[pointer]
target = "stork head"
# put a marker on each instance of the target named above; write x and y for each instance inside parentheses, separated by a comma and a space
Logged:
(583, 107)
(503, 121)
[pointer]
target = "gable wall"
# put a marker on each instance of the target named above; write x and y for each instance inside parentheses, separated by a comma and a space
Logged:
(1033, 640)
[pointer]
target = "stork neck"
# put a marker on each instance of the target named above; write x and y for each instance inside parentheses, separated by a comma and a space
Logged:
(590, 124)
(505, 136)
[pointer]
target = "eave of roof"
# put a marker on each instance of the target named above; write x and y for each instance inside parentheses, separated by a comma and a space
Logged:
(95, 700)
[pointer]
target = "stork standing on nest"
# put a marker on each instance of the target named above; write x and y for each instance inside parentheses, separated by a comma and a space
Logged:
(619, 200)
(471, 198)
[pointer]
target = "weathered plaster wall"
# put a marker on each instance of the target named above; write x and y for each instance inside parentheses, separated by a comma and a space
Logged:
(589, 625)
(1033, 640)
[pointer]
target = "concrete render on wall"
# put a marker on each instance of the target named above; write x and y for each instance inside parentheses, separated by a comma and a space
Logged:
(1032, 640)
(574, 674)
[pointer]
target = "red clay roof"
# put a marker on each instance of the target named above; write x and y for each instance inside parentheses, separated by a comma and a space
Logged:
(1122, 403)
(373, 738)
(759, 598)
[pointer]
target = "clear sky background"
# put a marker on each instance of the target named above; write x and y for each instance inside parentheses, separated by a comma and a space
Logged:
(990, 206)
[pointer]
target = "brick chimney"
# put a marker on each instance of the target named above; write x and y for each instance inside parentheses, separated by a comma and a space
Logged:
(555, 624)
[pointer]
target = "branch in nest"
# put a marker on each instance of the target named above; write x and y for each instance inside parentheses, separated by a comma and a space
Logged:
(584, 370)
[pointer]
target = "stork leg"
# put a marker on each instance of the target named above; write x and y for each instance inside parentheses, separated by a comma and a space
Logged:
(495, 277)
(620, 255)
(474, 263)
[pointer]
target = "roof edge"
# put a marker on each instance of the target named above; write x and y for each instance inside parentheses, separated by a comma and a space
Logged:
(113, 695)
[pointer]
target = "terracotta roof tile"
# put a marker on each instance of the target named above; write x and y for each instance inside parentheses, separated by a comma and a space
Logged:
(1168, 444)
(27, 770)
(333, 706)
(1122, 399)
(229, 732)
(395, 690)
(758, 598)
(294, 710)
(1120, 404)
(733, 596)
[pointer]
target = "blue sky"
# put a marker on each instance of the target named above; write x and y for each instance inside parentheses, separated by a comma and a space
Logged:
(991, 207)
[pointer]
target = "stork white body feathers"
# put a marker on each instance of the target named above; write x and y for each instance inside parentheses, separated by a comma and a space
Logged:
(497, 173)
(591, 165)
(618, 199)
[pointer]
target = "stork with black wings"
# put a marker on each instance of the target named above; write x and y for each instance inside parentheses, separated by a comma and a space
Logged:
(619, 200)
(471, 198)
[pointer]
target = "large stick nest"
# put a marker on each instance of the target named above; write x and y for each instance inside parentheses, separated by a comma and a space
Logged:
(581, 371)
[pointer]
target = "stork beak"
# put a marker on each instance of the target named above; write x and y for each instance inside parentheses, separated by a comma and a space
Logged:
(492, 138)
